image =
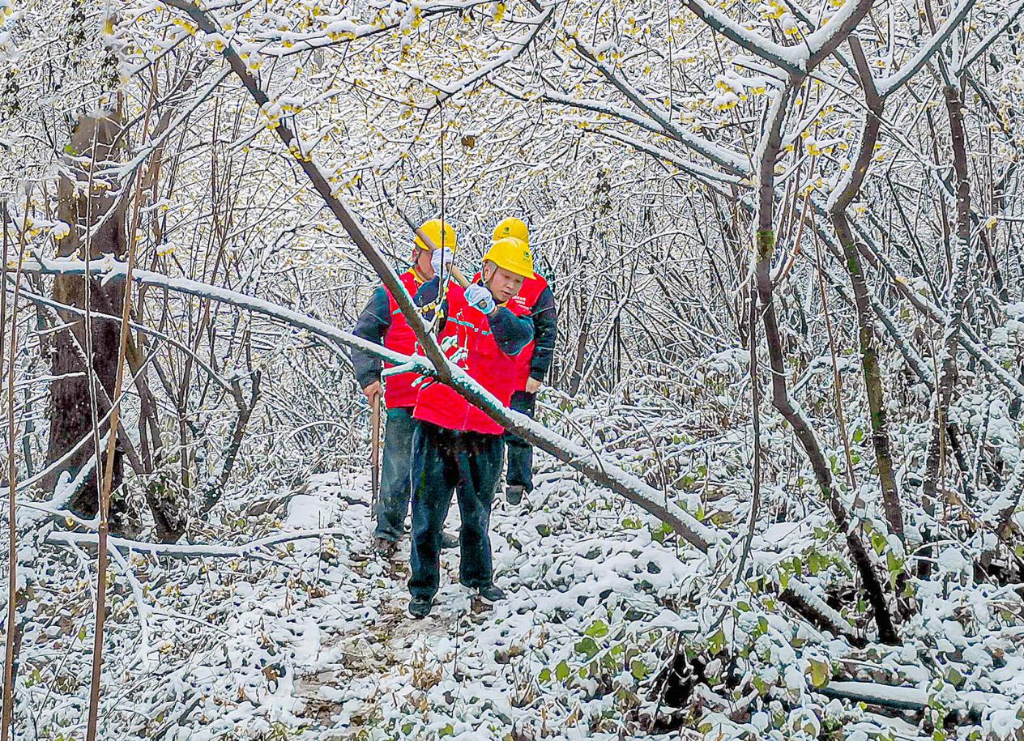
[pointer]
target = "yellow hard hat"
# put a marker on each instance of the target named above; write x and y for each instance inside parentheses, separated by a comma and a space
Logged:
(433, 231)
(513, 255)
(511, 227)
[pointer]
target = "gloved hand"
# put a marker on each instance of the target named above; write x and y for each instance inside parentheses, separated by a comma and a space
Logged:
(480, 298)
(441, 260)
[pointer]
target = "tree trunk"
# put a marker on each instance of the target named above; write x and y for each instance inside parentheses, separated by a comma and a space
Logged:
(764, 250)
(865, 318)
(86, 204)
(958, 279)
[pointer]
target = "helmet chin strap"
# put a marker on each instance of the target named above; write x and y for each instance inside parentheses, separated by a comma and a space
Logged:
(417, 253)
(488, 279)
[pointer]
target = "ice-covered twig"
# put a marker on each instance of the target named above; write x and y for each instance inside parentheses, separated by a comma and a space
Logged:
(894, 82)
(724, 158)
(905, 698)
(56, 507)
(705, 174)
(998, 31)
(140, 605)
(98, 315)
(518, 46)
(1011, 499)
(56, 465)
(938, 315)
(791, 59)
(729, 161)
(897, 698)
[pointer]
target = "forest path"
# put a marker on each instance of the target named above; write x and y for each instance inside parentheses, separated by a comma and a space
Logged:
(355, 665)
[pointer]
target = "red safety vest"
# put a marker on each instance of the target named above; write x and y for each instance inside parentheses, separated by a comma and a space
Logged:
(476, 351)
(522, 304)
(399, 391)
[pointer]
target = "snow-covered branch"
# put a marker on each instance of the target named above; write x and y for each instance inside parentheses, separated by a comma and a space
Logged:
(792, 59)
(1011, 17)
(894, 82)
(577, 456)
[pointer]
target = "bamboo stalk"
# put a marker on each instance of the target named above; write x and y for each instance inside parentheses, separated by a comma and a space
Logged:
(108, 469)
(12, 486)
(108, 475)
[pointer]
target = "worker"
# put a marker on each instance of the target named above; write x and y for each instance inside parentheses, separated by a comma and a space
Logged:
(383, 323)
(456, 446)
(535, 301)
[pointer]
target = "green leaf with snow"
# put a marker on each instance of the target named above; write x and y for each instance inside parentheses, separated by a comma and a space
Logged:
(878, 542)
(562, 671)
(893, 563)
(820, 673)
(716, 642)
(588, 647)
(597, 629)
(816, 562)
(660, 533)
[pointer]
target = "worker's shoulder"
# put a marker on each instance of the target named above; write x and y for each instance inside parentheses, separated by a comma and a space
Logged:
(529, 295)
(408, 278)
(456, 294)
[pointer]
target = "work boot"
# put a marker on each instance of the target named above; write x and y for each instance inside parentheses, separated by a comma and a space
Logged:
(384, 547)
(514, 494)
(419, 607)
(491, 593)
(449, 540)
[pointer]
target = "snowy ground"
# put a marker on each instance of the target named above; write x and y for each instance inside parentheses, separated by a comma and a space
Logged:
(311, 639)
(355, 665)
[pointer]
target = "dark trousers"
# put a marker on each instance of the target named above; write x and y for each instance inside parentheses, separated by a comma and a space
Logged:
(395, 480)
(520, 452)
(444, 461)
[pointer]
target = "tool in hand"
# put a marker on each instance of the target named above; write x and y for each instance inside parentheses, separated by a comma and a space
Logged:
(375, 449)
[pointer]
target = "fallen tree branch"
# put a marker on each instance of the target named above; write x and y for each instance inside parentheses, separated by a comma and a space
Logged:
(172, 550)
(632, 488)
(815, 610)
(907, 698)
(575, 455)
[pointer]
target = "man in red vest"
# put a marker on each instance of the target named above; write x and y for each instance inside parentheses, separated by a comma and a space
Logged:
(535, 301)
(456, 446)
(383, 323)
